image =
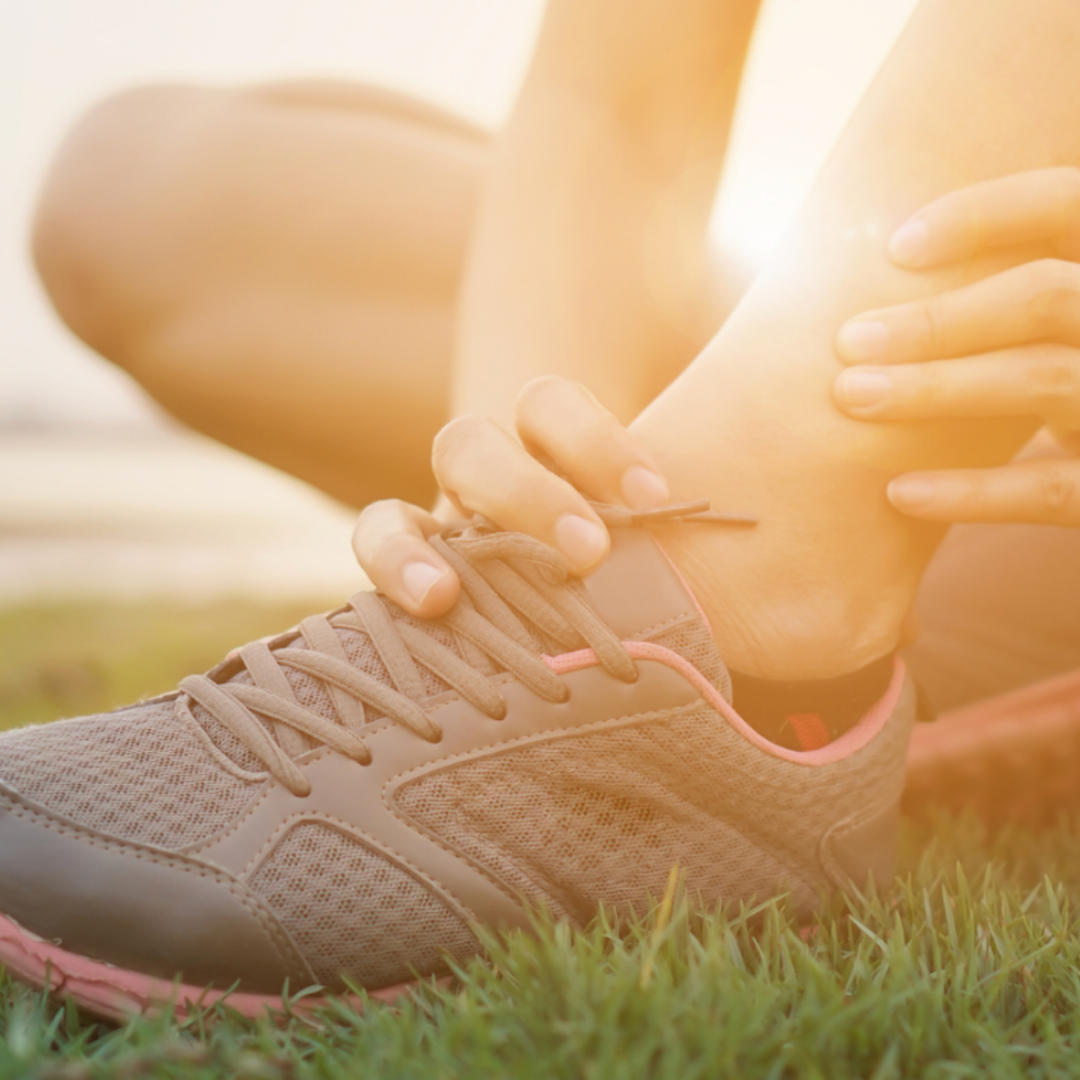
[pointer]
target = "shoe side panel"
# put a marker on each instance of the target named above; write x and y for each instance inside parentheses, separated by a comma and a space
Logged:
(352, 911)
(359, 798)
(136, 906)
(600, 814)
(141, 774)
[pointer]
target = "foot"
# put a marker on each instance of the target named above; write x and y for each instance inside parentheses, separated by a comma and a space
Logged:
(347, 800)
(1014, 757)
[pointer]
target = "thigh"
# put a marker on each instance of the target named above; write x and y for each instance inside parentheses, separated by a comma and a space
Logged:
(277, 266)
(999, 608)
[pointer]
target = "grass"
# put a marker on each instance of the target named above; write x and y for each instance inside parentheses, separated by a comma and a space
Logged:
(970, 968)
(73, 659)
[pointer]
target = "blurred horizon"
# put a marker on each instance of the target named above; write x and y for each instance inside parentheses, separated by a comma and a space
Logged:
(66, 415)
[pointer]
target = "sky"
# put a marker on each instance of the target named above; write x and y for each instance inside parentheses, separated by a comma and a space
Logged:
(810, 62)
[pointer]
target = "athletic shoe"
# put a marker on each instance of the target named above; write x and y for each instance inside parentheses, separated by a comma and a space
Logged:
(342, 804)
(1012, 757)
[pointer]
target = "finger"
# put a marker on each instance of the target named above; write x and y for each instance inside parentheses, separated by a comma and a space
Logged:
(563, 421)
(390, 542)
(1036, 380)
(1067, 438)
(1039, 301)
(487, 470)
(1045, 492)
(910, 629)
(1030, 207)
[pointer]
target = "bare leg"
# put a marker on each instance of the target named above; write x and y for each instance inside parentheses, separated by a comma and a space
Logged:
(277, 266)
(973, 90)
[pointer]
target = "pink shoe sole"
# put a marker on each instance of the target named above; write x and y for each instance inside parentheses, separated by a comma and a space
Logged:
(1016, 756)
(116, 994)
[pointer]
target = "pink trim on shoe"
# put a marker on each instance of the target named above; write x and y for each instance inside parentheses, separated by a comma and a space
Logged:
(849, 743)
(118, 994)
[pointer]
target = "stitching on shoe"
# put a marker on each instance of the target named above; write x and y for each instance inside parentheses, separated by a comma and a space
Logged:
(547, 736)
(664, 624)
(373, 843)
(234, 825)
(185, 716)
(831, 865)
(309, 757)
(290, 957)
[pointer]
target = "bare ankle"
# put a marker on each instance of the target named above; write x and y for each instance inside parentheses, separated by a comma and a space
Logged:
(790, 621)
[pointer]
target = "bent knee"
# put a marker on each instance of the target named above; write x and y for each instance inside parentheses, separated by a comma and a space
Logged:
(96, 238)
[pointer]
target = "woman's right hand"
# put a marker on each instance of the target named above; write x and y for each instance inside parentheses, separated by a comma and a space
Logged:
(481, 468)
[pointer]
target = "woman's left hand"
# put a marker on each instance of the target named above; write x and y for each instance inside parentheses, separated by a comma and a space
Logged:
(1006, 346)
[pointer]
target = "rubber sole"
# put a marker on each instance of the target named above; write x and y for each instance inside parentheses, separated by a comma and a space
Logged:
(116, 994)
(1012, 757)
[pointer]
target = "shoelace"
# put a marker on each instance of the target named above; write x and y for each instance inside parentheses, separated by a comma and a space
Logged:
(514, 589)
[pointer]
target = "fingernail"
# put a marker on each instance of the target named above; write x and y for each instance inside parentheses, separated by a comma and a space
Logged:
(861, 389)
(911, 492)
(419, 579)
(909, 242)
(582, 542)
(642, 489)
(862, 341)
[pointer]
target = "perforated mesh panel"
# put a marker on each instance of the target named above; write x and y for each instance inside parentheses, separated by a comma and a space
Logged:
(353, 913)
(604, 816)
(139, 774)
(361, 652)
(310, 692)
(693, 641)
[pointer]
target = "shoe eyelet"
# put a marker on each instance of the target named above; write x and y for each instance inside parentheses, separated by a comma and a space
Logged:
(501, 714)
(437, 737)
(566, 696)
(637, 675)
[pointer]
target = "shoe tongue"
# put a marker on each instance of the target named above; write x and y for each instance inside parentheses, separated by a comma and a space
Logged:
(642, 597)
(637, 587)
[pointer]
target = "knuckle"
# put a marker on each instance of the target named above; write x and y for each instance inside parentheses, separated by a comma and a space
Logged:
(538, 390)
(1070, 186)
(547, 400)
(455, 437)
(1055, 381)
(934, 326)
(520, 494)
(597, 440)
(975, 493)
(376, 515)
(1054, 293)
(932, 386)
(1055, 491)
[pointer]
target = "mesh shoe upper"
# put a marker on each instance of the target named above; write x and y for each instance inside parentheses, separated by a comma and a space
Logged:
(349, 910)
(139, 774)
(592, 802)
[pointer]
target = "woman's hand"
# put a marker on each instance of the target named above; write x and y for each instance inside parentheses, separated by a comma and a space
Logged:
(483, 469)
(1006, 346)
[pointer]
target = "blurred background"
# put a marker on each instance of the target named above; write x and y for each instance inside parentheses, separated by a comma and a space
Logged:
(100, 495)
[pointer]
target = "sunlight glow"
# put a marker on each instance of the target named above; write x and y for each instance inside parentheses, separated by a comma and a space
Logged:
(809, 64)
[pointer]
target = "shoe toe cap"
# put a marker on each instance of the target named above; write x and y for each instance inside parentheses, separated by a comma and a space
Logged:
(138, 907)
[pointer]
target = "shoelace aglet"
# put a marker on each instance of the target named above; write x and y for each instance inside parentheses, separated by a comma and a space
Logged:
(688, 512)
(715, 517)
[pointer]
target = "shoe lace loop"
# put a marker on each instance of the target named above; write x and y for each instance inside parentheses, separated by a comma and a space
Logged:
(516, 594)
